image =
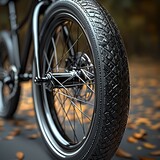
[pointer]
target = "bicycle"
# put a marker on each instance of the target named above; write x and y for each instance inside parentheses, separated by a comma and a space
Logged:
(80, 76)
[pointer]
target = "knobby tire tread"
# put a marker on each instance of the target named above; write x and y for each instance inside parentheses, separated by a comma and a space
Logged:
(116, 79)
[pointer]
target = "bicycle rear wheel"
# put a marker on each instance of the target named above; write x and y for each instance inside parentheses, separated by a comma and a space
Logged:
(82, 100)
(9, 85)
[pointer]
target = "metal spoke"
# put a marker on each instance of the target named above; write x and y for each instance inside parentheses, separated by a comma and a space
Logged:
(68, 79)
(77, 93)
(45, 54)
(84, 82)
(77, 37)
(69, 49)
(63, 104)
(82, 119)
(68, 36)
(83, 70)
(76, 115)
(54, 53)
(69, 121)
(79, 100)
(65, 44)
(70, 100)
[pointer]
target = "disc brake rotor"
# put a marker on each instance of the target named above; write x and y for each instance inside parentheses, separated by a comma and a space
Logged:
(83, 64)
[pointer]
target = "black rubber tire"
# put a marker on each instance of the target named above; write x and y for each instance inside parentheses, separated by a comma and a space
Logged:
(8, 105)
(112, 81)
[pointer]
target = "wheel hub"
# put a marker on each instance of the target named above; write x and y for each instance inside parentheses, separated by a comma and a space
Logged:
(79, 72)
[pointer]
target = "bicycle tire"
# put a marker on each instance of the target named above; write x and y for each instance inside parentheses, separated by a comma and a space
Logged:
(111, 103)
(9, 92)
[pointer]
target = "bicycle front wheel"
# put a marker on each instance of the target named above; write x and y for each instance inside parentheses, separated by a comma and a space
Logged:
(82, 100)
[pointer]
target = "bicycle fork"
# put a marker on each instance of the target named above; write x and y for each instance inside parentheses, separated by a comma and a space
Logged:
(35, 26)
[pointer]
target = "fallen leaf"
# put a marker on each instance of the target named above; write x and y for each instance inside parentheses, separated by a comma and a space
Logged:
(132, 139)
(20, 155)
(1, 123)
(144, 121)
(34, 136)
(154, 97)
(30, 126)
(9, 137)
(157, 104)
(149, 145)
(25, 106)
(140, 135)
(30, 100)
(153, 82)
(155, 127)
(1, 129)
(157, 115)
(135, 91)
(131, 126)
(149, 111)
(31, 113)
(155, 153)
(138, 101)
(123, 154)
(15, 132)
(18, 122)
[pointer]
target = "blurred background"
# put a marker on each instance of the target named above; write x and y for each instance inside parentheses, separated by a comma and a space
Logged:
(138, 21)
(139, 24)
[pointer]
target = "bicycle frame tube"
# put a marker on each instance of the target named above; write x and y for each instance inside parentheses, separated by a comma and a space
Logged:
(14, 35)
(33, 18)
(36, 15)
(28, 37)
(20, 60)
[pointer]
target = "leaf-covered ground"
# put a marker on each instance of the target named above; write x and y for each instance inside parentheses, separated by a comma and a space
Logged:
(20, 138)
(142, 137)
